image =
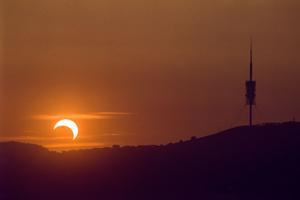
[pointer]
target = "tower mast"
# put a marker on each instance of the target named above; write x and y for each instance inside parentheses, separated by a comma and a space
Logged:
(251, 60)
(251, 88)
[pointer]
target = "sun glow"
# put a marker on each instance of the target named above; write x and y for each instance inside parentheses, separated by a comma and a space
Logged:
(68, 123)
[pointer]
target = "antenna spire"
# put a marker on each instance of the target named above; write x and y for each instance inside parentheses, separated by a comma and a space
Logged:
(251, 58)
(251, 87)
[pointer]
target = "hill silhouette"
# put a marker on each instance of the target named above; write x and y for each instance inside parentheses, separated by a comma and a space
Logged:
(262, 162)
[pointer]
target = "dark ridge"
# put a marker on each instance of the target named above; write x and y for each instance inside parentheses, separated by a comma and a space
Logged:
(261, 162)
(26, 146)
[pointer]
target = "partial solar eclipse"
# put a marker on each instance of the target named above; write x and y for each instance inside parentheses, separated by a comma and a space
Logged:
(69, 124)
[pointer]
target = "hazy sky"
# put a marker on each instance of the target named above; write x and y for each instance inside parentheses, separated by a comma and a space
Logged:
(153, 71)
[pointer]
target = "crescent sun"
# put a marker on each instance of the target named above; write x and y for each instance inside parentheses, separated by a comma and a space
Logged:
(68, 123)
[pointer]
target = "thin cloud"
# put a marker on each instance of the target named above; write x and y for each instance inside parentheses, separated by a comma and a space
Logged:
(27, 138)
(32, 138)
(85, 116)
(112, 113)
(68, 146)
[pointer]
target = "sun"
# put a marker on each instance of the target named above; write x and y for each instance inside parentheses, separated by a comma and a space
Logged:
(69, 124)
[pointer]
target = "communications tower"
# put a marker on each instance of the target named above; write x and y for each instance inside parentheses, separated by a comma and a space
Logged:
(251, 88)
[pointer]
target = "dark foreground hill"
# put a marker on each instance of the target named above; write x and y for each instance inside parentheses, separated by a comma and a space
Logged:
(262, 162)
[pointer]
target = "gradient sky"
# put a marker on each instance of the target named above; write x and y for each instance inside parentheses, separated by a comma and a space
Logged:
(143, 72)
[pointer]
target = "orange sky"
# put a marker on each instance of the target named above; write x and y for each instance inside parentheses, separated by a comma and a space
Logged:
(176, 68)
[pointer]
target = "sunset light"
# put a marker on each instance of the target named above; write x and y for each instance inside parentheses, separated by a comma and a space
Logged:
(163, 100)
